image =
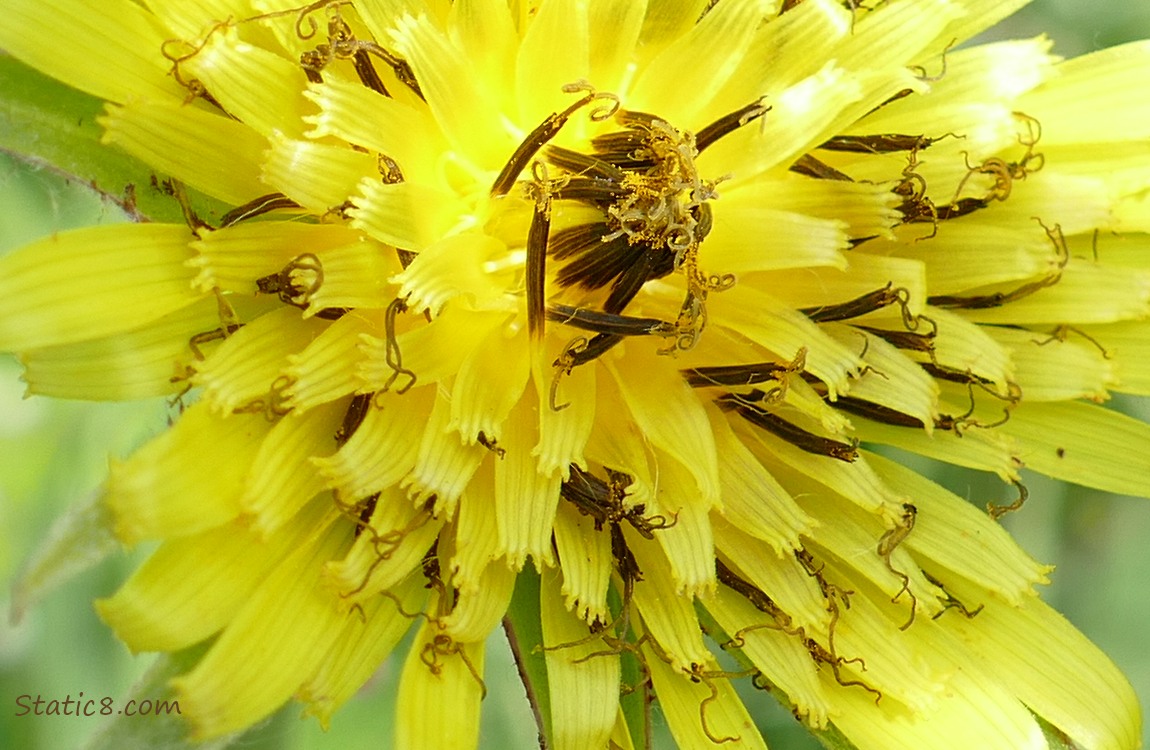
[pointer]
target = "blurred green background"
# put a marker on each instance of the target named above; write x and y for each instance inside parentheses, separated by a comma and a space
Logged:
(54, 454)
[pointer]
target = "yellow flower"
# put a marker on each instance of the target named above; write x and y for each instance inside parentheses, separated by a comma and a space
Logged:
(631, 290)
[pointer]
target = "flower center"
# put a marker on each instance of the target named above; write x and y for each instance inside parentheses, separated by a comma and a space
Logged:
(651, 212)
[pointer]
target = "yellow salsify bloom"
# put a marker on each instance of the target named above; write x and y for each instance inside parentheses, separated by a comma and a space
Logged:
(626, 292)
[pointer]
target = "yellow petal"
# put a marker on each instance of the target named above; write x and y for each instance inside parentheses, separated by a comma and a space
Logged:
(1127, 346)
(1076, 298)
(721, 37)
(687, 540)
(452, 92)
(89, 283)
(479, 610)
(585, 559)
(258, 87)
(1084, 444)
(525, 498)
(892, 379)
(192, 586)
(485, 30)
(781, 578)
(159, 492)
(781, 658)
(702, 712)
(963, 346)
(613, 28)
(1089, 101)
(386, 551)
(563, 433)
(582, 680)
(208, 151)
(384, 448)
(489, 384)
(108, 49)
(445, 464)
(293, 618)
(854, 480)
(1056, 671)
(232, 258)
(670, 415)
(784, 331)
(449, 269)
(148, 361)
(360, 649)
(429, 353)
(325, 369)
(475, 544)
(362, 117)
(670, 618)
(355, 275)
(282, 478)
(967, 256)
(553, 53)
(796, 240)
(439, 674)
(975, 712)
(1050, 368)
(753, 500)
(979, 15)
(863, 274)
(244, 372)
(957, 535)
(317, 176)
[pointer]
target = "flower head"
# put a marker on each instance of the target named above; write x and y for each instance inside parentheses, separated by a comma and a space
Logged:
(628, 293)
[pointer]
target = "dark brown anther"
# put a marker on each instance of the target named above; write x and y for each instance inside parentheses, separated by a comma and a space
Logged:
(877, 144)
(490, 444)
(583, 165)
(544, 132)
(950, 602)
(601, 322)
(257, 207)
(742, 375)
(367, 73)
(365, 512)
(866, 303)
(812, 167)
(406, 257)
(285, 285)
(997, 299)
(356, 412)
(744, 405)
(753, 594)
(729, 123)
(537, 238)
(961, 207)
(625, 561)
(907, 340)
(876, 412)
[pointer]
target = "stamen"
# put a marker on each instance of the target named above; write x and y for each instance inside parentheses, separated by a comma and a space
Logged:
(744, 405)
(547, 130)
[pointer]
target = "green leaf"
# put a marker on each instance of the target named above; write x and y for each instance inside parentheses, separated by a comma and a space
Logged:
(53, 126)
(525, 634)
